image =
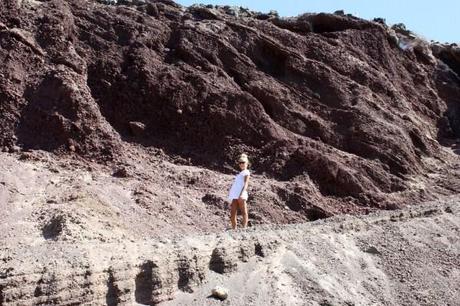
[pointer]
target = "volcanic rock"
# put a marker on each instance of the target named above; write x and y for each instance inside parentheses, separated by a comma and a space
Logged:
(137, 128)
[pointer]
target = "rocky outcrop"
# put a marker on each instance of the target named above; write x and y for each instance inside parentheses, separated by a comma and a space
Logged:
(450, 55)
(107, 275)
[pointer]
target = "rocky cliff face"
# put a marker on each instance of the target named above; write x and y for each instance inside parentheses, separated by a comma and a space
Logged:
(120, 123)
(344, 107)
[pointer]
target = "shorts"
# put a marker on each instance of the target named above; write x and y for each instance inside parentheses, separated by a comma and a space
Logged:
(244, 196)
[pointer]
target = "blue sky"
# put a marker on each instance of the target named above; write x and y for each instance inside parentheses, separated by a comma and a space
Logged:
(437, 20)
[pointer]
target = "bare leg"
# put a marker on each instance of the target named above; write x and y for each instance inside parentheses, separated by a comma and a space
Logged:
(233, 213)
(244, 211)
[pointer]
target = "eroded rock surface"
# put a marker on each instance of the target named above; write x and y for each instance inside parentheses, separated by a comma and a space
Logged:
(324, 262)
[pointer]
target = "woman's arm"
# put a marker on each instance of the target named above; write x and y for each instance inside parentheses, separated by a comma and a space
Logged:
(245, 186)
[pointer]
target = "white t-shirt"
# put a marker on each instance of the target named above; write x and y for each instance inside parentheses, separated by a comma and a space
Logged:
(237, 186)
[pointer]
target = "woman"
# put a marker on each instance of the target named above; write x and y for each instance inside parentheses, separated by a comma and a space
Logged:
(238, 194)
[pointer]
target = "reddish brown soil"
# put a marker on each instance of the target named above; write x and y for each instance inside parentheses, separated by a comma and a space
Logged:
(334, 114)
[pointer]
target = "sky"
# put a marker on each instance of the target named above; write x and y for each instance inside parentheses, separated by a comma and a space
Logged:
(437, 20)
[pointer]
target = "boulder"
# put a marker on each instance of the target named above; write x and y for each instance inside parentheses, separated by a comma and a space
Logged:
(137, 128)
(220, 293)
